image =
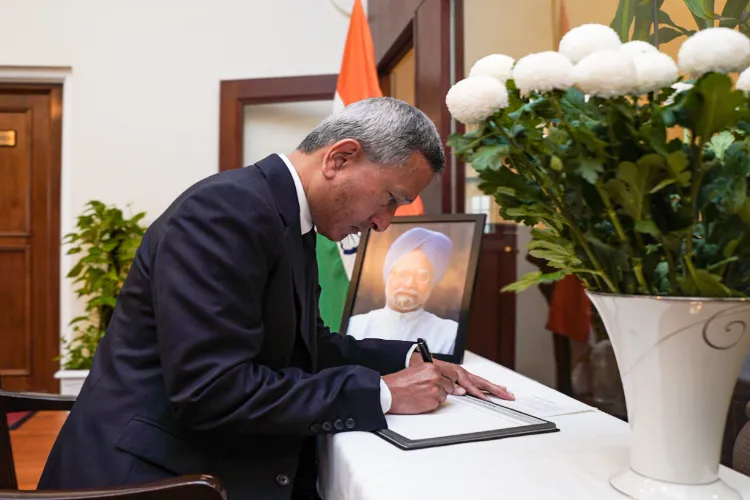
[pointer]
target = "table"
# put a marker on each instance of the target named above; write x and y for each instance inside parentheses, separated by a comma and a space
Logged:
(575, 463)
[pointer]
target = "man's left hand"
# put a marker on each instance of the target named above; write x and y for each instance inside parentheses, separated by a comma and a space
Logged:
(465, 382)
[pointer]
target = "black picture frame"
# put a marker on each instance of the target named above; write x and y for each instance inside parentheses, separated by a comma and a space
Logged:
(478, 220)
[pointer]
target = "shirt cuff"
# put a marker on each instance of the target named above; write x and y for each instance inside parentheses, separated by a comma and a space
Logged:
(408, 354)
(385, 393)
(385, 396)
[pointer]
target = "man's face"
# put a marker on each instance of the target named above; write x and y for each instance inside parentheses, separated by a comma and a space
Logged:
(410, 282)
(354, 194)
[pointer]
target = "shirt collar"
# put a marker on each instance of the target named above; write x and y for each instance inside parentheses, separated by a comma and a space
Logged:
(305, 218)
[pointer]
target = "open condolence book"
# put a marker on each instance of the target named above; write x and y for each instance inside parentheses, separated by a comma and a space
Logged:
(461, 419)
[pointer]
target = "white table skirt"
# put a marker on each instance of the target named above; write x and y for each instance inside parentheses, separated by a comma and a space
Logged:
(575, 463)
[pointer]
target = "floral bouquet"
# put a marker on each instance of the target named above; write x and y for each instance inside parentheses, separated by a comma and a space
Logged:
(634, 179)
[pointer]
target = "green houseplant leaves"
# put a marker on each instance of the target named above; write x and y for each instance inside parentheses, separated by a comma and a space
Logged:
(105, 241)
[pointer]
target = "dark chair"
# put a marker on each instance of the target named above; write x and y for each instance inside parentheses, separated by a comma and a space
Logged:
(195, 487)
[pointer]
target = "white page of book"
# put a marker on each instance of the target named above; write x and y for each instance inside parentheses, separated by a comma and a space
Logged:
(544, 407)
(457, 415)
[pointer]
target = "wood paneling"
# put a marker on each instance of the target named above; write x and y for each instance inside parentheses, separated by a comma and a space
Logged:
(492, 320)
(30, 236)
(15, 322)
(15, 171)
(235, 94)
(398, 26)
(391, 27)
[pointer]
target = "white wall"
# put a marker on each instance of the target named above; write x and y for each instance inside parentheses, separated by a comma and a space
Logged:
(280, 127)
(142, 103)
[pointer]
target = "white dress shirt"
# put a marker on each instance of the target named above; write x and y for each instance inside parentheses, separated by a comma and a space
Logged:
(385, 323)
(306, 225)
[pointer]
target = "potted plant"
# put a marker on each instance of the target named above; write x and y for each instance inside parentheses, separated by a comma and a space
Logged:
(637, 183)
(106, 240)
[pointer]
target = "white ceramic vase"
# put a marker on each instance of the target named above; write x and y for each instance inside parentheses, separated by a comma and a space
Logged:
(679, 359)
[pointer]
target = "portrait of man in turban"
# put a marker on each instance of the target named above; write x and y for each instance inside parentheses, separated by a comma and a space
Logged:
(414, 265)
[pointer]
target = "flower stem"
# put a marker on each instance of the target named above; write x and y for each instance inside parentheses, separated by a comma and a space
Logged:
(552, 193)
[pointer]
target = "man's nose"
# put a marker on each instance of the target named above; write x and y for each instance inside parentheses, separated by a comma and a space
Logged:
(381, 221)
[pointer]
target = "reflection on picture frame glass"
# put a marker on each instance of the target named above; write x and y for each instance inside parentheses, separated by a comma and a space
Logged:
(415, 280)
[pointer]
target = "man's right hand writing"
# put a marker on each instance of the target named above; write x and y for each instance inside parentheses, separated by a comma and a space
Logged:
(418, 389)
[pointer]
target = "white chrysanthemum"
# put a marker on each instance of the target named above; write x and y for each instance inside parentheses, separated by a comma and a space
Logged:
(475, 98)
(495, 65)
(653, 71)
(721, 50)
(636, 47)
(606, 73)
(587, 39)
(542, 72)
(743, 82)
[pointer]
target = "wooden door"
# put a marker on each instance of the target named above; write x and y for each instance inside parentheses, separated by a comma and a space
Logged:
(30, 138)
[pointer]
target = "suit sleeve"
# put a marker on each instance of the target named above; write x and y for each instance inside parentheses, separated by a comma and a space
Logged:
(210, 269)
(384, 356)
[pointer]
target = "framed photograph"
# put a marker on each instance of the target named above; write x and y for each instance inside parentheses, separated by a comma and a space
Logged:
(415, 280)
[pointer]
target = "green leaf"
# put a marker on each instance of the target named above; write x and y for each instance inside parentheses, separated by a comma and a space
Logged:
(664, 18)
(733, 10)
(744, 212)
(556, 164)
(534, 278)
(720, 143)
(712, 105)
(624, 18)
(705, 284)
(703, 12)
(668, 34)
(662, 185)
(648, 227)
(632, 183)
(644, 19)
(489, 157)
(590, 169)
(677, 163)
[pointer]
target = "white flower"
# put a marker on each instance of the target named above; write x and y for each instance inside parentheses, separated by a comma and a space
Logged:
(586, 39)
(679, 87)
(475, 98)
(654, 70)
(495, 65)
(542, 72)
(606, 73)
(743, 82)
(721, 50)
(635, 47)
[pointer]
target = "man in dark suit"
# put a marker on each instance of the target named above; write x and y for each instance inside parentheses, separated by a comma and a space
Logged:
(216, 360)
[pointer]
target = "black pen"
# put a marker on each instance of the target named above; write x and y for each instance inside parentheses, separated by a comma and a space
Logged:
(424, 350)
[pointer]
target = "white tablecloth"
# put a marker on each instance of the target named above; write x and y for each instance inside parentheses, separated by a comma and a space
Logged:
(575, 463)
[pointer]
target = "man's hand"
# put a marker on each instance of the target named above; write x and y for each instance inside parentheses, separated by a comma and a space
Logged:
(465, 381)
(418, 389)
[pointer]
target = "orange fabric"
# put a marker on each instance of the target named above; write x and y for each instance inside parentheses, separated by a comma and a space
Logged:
(564, 25)
(414, 208)
(569, 311)
(358, 78)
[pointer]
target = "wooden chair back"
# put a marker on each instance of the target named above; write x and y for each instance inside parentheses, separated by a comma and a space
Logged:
(194, 487)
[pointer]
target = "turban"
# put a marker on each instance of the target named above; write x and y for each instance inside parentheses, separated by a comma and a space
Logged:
(436, 246)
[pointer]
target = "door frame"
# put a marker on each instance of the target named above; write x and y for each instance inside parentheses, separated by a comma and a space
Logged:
(49, 81)
(428, 27)
(234, 95)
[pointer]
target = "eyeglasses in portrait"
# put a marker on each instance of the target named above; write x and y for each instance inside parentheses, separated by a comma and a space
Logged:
(415, 280)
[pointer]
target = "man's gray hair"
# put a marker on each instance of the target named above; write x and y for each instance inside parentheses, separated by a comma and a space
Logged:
(388, 129)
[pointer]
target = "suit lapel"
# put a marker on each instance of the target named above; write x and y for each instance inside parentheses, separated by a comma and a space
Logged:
(285, 196)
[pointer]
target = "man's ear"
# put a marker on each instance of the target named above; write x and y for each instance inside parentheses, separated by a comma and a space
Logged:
(340, 155)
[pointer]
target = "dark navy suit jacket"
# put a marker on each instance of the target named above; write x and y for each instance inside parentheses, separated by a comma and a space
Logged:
(198, 370)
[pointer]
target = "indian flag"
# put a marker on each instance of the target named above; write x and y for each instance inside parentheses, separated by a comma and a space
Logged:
(358, 79)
